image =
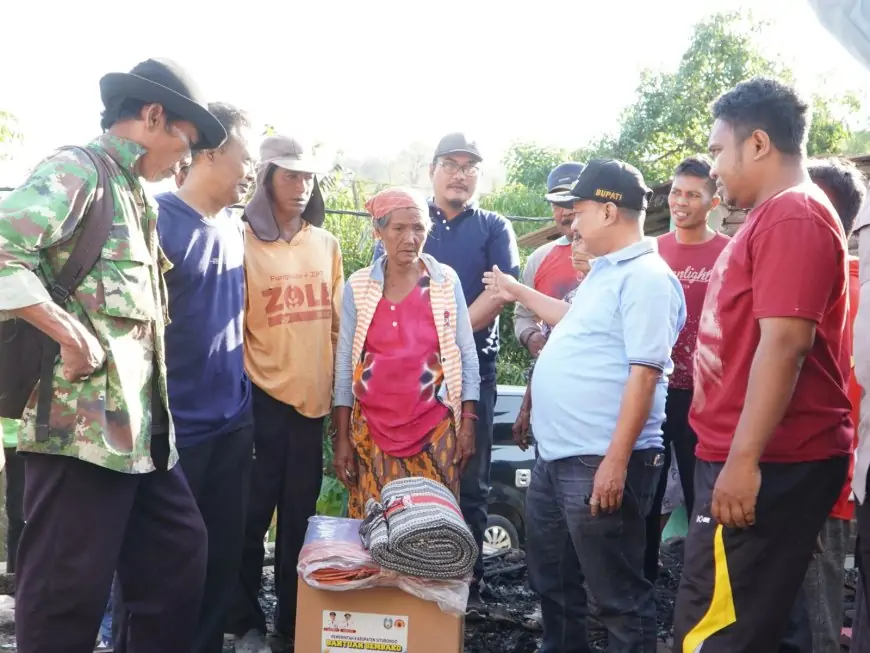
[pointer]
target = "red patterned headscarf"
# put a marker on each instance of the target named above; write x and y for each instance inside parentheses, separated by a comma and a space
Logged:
(391, 199)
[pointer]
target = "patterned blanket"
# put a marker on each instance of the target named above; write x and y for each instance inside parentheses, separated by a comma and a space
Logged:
(418, 530)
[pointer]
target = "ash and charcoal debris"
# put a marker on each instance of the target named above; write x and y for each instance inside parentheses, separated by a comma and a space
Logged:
(511, 602)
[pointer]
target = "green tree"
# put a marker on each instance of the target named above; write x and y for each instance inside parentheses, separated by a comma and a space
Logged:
(829, 131)
(670, 118)
(9, 134)
(528, 164)
(858, 143)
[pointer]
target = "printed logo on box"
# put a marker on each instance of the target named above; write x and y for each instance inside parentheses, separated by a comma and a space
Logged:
(363, 631)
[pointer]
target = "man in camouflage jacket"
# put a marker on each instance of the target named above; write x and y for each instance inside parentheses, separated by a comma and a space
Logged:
(102, 489)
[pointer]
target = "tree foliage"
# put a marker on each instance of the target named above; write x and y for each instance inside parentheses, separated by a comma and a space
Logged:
(9, 134)
(670, 117)
(528, 164)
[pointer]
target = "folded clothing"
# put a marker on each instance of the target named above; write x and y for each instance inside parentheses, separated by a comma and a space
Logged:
(333, 555)
(417, 529)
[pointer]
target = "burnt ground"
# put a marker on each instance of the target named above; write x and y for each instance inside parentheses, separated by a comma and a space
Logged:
(507, 630)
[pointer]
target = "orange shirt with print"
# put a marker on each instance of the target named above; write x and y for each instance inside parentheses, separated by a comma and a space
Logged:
(845, 509)
(291, 320)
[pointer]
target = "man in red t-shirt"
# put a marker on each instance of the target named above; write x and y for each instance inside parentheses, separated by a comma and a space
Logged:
(691, 250)
(771, 408)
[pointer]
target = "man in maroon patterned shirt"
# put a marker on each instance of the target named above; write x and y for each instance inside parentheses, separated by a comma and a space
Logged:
(691, 250)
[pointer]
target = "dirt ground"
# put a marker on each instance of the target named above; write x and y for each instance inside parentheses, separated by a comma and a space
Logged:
(511, 601)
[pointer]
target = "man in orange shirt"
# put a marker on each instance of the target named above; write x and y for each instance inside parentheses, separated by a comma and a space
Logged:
(294, 278)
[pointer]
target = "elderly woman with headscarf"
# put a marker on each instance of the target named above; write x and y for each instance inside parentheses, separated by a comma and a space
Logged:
(293, 271)
(406, 372)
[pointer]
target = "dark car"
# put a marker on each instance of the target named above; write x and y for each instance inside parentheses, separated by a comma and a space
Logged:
(510, 475)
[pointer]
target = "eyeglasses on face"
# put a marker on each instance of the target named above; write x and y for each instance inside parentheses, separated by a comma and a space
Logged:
(452, 167)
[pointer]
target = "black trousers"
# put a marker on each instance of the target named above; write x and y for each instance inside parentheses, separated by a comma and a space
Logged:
(862, 543)
(475, 482)
(677, 432)
(753, 574)
(218, 473)
(82, 523)
(14, 504)
(286, 474)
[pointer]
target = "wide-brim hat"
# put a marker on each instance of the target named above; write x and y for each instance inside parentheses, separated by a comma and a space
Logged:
(163, 82)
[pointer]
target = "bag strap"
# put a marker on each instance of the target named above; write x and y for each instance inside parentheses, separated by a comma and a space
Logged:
(95, 226)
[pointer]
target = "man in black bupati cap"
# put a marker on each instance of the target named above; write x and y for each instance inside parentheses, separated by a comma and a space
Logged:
(598, 393)
(103, 490)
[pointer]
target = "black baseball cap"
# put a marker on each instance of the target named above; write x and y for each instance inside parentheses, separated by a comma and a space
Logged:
(608, 180)
(456, 143)
(562, 177)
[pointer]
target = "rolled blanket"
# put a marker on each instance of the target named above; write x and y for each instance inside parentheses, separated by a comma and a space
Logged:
(418, 529)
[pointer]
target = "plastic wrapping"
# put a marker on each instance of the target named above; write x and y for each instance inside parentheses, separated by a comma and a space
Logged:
(333, 558)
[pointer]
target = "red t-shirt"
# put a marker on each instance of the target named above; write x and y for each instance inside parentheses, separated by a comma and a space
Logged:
(788, 260)
(693, 265)
(844, 508)
(400, 378)
(556, 276)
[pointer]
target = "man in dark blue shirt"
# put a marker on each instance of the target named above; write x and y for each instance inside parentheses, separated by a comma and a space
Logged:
(209, 392)
(471, 240)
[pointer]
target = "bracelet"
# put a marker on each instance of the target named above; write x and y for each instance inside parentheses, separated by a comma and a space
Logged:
(470, 416)
(525, 336)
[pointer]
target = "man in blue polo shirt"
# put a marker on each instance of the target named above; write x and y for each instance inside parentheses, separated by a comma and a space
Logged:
(471, 240)
(598, 403)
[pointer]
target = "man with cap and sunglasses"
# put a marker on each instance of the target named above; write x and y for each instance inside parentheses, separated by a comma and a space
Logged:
(598, 405)
(555, 269)
(295, 282)
(103, 490)
(549, 269)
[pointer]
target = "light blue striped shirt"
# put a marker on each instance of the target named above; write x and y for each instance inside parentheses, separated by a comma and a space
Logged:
(628, 311)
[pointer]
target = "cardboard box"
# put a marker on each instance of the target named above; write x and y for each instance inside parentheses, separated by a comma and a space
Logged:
(378, 619)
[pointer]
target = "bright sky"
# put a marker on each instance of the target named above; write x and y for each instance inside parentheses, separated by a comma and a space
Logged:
(369, 78)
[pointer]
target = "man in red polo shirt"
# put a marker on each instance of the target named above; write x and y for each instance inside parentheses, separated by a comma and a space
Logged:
(771, 409)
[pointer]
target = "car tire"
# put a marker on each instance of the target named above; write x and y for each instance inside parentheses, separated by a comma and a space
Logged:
(500, 533)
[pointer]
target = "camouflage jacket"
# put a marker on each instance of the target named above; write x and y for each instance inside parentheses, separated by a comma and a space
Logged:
(105, 419)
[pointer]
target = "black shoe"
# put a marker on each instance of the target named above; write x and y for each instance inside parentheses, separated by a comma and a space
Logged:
(476, 608)
(280, 643)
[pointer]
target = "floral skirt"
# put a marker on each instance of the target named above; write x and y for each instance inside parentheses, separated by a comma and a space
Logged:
(375, 468)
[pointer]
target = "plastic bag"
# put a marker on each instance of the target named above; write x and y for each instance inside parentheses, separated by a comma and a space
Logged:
(334, 559)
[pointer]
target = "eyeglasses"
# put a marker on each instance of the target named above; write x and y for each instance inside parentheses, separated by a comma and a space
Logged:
(451, 168)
